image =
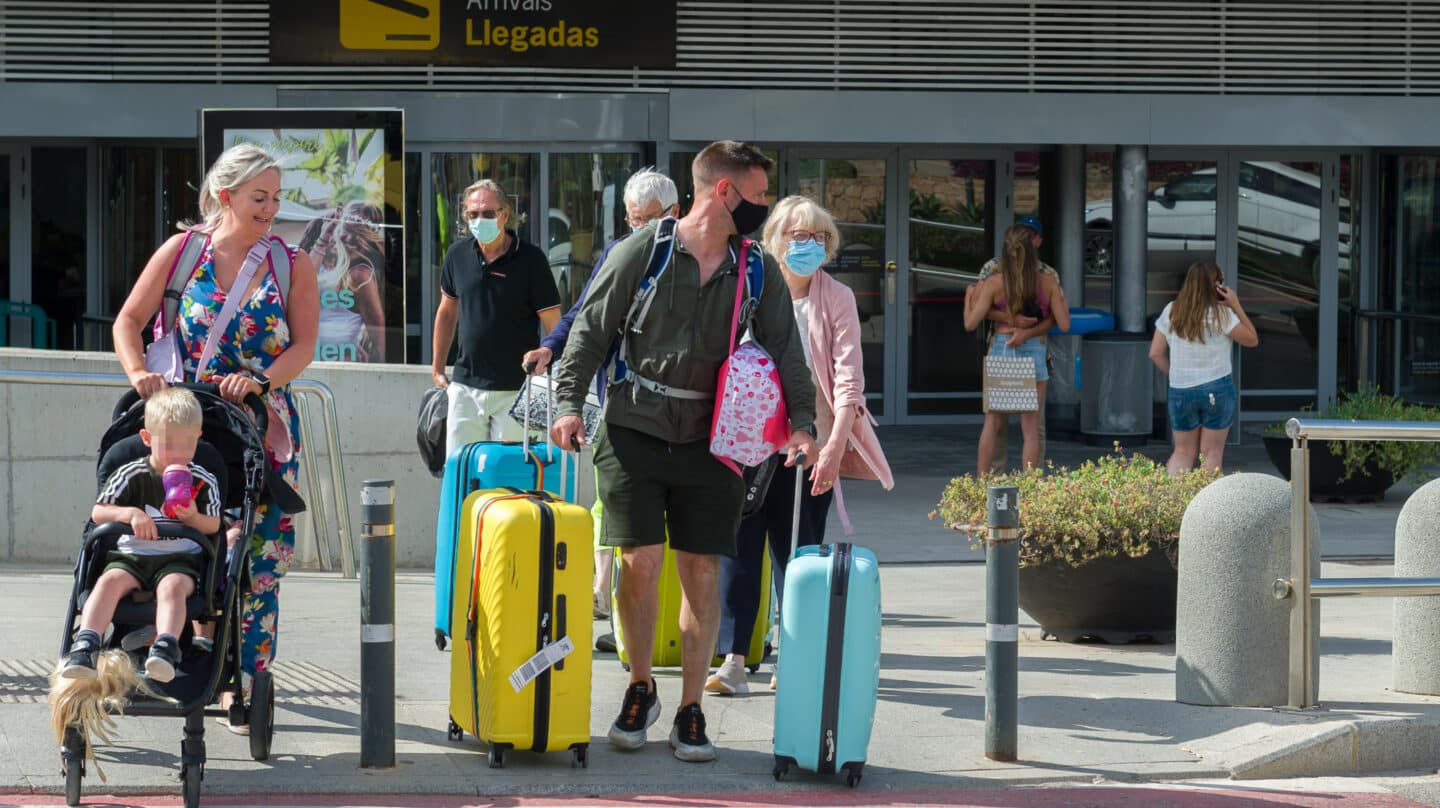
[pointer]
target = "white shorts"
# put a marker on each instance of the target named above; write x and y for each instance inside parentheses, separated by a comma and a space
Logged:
(476, 415)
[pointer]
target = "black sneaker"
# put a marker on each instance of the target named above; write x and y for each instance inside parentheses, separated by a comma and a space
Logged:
(687, 737)
(605, 642)
(80, 662)
(640, 709)
(164, 657)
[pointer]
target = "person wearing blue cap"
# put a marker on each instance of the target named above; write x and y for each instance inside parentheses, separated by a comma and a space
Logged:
(1036, 328)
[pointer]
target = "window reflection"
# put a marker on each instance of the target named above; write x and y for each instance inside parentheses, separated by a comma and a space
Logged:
(854, 193)
(587, 212)
(951, 223)
(450, 175)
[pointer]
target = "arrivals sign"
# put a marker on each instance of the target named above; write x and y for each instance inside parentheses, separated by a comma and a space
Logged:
(537, 33)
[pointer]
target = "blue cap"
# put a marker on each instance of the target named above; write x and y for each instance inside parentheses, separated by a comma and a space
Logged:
(1032, 223)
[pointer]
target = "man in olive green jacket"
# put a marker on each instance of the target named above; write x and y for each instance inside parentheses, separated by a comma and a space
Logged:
(652, 457)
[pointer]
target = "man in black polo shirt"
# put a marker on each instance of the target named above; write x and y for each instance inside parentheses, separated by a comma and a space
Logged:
(499, 289)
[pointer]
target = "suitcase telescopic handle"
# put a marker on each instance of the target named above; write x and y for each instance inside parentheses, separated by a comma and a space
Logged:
(799, 496)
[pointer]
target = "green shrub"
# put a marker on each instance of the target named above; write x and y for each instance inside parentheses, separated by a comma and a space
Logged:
(1400, 459)
(1116, 505)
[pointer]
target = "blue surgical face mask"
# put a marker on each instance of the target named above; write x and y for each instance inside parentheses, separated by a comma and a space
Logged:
(485, 230)
(804, 257)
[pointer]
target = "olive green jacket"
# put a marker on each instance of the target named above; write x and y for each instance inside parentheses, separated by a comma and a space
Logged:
(682, 344)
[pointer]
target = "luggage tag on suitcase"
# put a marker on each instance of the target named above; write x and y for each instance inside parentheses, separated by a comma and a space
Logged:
(546, 657)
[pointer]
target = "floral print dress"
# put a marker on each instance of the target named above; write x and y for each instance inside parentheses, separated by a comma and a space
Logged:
(257, 334)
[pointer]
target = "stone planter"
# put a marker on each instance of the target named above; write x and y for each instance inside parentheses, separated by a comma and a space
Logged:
(1116, 599)
(1367, 485)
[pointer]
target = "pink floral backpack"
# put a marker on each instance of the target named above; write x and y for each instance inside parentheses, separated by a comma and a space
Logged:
(750, 420)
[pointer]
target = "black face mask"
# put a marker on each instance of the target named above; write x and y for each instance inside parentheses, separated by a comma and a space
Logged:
(748, 216)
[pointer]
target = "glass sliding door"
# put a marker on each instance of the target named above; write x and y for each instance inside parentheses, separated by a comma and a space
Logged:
(586, 212)
(1278, 258)
(856, 191)
(1407, 322)
(59, 232)
(950, 228)
(450, 175)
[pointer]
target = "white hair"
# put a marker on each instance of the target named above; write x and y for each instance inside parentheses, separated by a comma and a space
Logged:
(648, 185)
(234, 167)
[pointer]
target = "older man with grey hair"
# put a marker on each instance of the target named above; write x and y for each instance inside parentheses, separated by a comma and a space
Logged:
(499, 291)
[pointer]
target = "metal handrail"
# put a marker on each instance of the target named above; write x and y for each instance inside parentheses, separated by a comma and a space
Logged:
(1300, 587)
(300, 389)
(1363, 430)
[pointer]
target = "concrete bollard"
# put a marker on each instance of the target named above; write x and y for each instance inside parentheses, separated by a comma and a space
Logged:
(1417, 620)
(1231, 634)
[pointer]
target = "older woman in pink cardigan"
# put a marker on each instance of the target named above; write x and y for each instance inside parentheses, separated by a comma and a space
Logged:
(803, 237)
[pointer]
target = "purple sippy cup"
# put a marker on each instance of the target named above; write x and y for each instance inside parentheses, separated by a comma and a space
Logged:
(178, 490)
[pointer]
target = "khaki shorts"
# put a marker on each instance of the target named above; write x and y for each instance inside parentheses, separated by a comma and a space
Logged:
(648, 484)
(149, 570)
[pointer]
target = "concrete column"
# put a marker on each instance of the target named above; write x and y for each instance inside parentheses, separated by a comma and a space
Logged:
(1231, 633)
(1070, 224)
(1416, 646)
(1131, 190)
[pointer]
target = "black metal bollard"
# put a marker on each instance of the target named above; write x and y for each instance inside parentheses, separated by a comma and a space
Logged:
(1002, 617)
(377, 624)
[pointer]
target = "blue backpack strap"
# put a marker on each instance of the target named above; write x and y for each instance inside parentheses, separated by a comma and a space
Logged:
(191, 250)
(281, 265)
(660, 254)
(754, 278)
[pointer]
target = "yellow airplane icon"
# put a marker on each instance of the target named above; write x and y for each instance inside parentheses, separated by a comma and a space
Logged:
(390, 24)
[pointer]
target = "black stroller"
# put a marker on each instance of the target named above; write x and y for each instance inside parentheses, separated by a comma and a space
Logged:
(232, 448)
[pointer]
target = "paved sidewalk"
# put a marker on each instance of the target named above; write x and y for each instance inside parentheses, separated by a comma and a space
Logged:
(1087, 712)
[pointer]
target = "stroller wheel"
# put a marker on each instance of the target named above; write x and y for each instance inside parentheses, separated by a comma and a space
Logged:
(72, 759)
(190, 778)
(262, 715)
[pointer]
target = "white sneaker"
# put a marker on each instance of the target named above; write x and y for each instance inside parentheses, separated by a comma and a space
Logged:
(729, 680)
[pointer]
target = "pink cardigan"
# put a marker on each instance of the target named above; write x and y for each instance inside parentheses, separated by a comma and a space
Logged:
(834, 334)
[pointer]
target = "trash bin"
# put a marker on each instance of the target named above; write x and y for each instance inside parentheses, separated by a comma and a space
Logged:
(1062, 395)
(1117, 386)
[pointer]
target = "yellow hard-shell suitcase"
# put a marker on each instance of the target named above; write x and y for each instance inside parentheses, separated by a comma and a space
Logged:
(523, 585)
(667, 622)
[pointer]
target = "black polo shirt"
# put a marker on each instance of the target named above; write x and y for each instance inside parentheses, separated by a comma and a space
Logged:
(500, 304)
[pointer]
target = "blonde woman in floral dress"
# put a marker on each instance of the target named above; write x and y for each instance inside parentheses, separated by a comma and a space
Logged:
(267, 343)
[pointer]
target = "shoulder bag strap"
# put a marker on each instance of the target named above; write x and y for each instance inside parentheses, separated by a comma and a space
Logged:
(190, 251)
(237, 289)
(281, 265)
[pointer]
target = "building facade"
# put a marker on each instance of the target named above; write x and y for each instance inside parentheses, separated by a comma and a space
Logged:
(1296, 143)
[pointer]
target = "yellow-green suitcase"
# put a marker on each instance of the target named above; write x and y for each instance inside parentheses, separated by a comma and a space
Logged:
(667, 622)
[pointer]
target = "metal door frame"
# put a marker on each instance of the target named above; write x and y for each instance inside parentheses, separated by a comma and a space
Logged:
(1004, 160)
(892, 285)
(19, 249)
(1328, 289)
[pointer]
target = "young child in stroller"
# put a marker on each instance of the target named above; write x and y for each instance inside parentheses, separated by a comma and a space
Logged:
(170, 568)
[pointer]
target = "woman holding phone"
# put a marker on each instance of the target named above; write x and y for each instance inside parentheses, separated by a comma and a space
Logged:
(1192, 346)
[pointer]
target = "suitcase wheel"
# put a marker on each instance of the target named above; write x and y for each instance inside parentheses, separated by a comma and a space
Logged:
(453, 732)
(853, 772)
(580, 756)
(439, 640)
(497, 756)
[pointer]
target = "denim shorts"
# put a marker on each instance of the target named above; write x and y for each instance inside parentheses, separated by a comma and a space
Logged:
(1034, 348)
(1211, 405)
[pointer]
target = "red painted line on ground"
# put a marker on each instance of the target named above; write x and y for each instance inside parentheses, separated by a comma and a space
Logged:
(1036, 797)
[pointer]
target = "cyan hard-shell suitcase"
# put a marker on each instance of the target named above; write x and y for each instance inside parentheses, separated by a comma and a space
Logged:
(828, 673)
(478, 467)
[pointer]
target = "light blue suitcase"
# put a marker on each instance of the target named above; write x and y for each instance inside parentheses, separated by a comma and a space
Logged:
(829, 667)
(479, 466)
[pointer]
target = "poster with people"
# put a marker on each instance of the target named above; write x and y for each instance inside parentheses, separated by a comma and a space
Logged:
(342, 190)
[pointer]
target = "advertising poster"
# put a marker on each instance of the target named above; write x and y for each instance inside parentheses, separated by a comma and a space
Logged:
(342, 190)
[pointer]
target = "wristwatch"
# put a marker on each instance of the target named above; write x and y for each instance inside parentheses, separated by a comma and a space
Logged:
(262, 380)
